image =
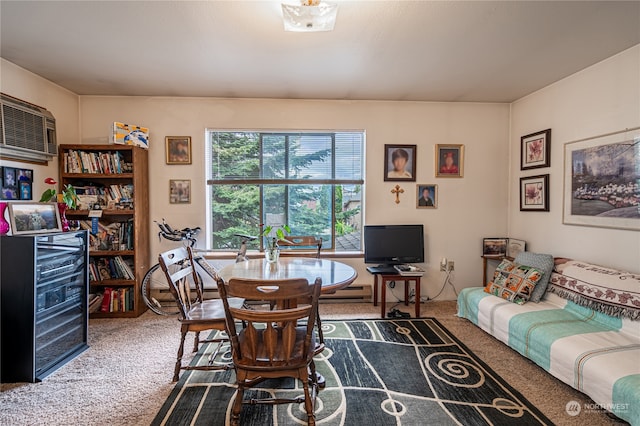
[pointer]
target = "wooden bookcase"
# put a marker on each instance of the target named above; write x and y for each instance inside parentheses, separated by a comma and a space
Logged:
(91, 168)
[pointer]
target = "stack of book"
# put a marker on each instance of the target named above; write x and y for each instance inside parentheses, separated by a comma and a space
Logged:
(78, 161)
(112, 236)
(104, 195)
(117, 299)
(110, 268)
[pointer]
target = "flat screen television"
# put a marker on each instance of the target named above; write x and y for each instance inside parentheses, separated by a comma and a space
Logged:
(393, 244)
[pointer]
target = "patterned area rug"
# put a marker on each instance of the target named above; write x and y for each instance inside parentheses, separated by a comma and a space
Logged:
(378, 372)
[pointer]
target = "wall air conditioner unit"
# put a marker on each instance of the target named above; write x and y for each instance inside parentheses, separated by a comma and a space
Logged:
(27, 131)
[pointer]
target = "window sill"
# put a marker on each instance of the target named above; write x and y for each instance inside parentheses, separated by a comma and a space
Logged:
(221, 255)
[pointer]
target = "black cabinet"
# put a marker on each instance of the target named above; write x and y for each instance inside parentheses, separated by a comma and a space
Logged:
(43, 301)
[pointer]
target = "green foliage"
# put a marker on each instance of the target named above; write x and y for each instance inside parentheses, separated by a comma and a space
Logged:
(69, 196)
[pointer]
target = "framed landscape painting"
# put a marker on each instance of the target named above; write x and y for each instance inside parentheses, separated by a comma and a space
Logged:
(34, 218)
(602, 181)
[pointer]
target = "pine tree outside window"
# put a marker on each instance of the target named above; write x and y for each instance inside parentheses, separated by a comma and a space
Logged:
(312, 182)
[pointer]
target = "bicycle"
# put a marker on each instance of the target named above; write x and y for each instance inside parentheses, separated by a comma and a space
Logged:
(155, 288)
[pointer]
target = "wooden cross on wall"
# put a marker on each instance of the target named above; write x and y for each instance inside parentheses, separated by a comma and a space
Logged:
(397, 190)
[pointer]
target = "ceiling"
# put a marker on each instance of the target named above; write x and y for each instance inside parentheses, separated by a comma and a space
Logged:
(477, 51)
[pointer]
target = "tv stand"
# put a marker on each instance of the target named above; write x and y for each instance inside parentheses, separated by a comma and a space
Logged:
(383, 278)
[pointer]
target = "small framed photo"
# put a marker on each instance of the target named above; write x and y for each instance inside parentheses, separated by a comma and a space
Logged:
(496, 247)
(400, 163)
(534, 193)
(515, 247)
(178, 149)
(25, 190)
(9, 176)
(34, 218)
(449, 160)
(426, 196)
(180, 191)
(535, 150)
(23, 175)
(10, 193)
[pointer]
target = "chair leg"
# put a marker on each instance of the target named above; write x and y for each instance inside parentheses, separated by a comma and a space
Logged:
(176, 370)
(237, 406)
(308, 402)
(196, 341)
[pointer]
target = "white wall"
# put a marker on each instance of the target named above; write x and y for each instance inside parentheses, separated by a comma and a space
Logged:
(469, 208)
(601, 99)
(63, 104)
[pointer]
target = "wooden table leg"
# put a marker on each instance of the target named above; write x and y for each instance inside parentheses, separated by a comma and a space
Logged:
(383, 296)
(407, 283)
(417, 297)
(375, 290)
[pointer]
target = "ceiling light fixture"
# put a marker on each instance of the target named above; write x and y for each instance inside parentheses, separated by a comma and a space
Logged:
(309, 16)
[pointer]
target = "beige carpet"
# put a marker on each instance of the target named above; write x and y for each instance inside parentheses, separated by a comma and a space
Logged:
(125, 376)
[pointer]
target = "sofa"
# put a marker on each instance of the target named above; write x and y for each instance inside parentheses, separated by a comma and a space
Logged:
(584, 329)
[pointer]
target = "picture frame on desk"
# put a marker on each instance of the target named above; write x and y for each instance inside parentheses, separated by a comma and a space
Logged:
(494, 247)
(34, 218)
(515, 247)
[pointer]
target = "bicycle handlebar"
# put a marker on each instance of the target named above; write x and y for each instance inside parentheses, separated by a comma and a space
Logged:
(167, 232)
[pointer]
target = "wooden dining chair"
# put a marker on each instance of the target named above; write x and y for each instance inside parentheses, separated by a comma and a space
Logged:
(274, 343)
(196, 314)
(303, 246)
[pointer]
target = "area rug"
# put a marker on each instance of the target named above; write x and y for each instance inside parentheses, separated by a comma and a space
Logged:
(378, 372)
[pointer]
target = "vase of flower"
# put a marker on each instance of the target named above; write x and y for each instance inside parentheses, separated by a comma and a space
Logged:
(272, 255)
(4, 225)
(62, 209)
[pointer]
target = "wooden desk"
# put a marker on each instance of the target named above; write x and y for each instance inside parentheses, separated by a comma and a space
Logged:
(383, 279)
(334, 275)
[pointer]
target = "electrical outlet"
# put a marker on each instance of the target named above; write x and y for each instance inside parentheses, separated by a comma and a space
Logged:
(450, 265)
(443, 264)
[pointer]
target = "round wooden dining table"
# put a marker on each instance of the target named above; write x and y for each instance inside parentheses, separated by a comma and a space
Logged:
(334, 275)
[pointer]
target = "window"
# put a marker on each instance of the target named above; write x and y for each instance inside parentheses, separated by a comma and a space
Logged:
(309, 181)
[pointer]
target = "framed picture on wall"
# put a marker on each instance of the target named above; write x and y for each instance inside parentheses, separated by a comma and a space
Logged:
(449, 160)
(534, 193)
(180, 191)
(400, 163)
(601, 181)
(178, 149)
(426, 196)
(535, 150)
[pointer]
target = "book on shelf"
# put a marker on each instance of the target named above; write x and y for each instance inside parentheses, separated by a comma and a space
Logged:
(79, 161)
(110, 236)
(111, 268)
(117, 299)
(105, 195)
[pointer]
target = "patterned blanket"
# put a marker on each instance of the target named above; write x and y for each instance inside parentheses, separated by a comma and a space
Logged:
(593, 352)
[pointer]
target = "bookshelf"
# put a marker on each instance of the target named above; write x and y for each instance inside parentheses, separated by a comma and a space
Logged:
(116, 178)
